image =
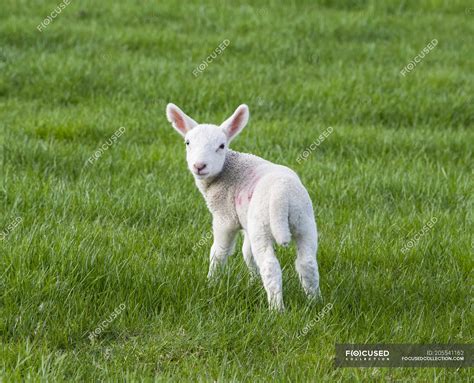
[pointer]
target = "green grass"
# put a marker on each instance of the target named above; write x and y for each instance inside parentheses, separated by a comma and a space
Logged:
(122, 230)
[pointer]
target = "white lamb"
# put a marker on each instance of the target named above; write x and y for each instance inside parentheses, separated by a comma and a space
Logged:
(245, 192)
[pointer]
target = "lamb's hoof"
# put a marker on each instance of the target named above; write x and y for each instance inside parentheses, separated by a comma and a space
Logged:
(276, 304)
(212, 280)
(277, 308)
(285, 244)
(315, 296)
(253, 278)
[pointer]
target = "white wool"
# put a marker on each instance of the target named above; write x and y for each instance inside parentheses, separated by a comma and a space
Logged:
(244, 192)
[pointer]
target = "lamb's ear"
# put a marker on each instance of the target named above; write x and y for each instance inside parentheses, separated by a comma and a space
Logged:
(235, 123)
(180, 121)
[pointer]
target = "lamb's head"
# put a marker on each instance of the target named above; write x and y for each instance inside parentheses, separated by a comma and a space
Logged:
(206, 144)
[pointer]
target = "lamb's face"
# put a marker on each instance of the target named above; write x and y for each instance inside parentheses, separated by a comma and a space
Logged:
(206, 148)
(206, 144)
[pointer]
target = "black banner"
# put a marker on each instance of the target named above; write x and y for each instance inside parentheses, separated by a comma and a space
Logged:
(404, 355)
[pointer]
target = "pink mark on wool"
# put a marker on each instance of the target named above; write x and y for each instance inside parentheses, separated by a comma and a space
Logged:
(244, 195)
(253, 184)
(238, 200)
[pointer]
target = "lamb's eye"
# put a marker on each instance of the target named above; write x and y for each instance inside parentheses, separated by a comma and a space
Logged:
(222, 146)
(187, 142)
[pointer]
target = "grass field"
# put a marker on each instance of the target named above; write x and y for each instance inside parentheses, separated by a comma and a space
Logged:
(81, 239)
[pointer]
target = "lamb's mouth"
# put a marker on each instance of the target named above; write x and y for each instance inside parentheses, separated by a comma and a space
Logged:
(201, 174)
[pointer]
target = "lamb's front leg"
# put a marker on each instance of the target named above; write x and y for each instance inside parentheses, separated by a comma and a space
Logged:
(248, 257)
(223, 246)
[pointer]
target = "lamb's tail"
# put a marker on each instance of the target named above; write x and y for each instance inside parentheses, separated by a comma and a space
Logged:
(279, 223)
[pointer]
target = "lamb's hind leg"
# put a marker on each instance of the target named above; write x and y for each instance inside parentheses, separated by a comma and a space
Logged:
(269, 268)
(306, 263)
(248, 257)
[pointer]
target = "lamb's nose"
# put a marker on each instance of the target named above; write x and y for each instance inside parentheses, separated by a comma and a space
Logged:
(199, 166)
